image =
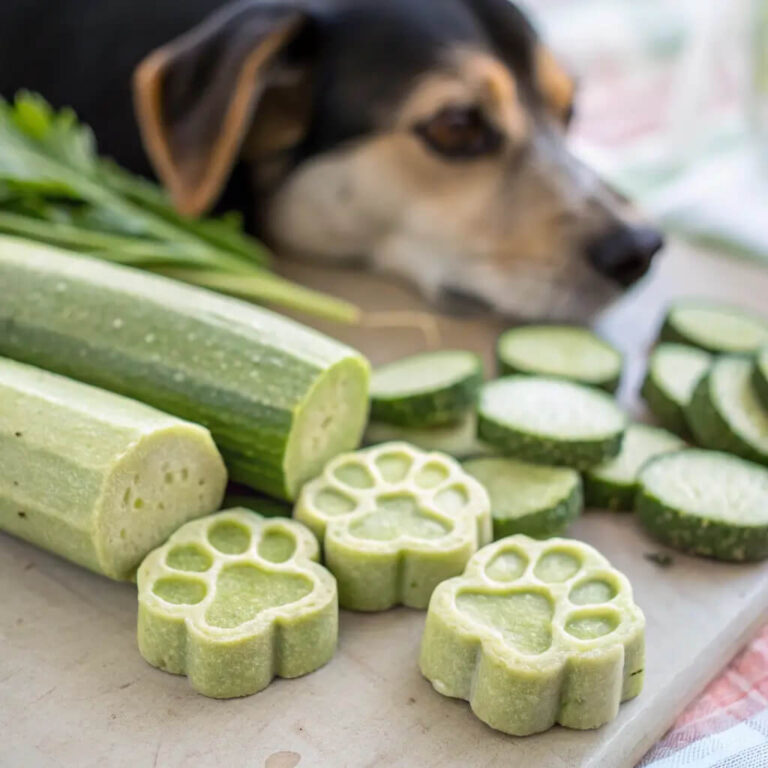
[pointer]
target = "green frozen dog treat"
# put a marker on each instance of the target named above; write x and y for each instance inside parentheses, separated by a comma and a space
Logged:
(536, 633)
(94, 477)
(394, 522)
(233, 600)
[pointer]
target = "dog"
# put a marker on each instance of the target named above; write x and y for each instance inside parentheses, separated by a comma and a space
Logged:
(424, 138)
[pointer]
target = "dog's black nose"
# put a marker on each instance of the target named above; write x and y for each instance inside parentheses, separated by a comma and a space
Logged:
(624, 254)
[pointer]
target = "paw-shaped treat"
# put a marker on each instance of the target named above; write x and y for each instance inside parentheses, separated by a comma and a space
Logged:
(536, 633)
(394, 522)
(234, 599)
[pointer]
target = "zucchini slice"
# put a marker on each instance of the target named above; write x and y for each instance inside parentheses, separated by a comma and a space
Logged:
(613, 485)
(527, 498)
(706, 503)
(715, 327)
(279, 399)
(550, 421)
(725, 413)
(760, 376)
(458, 440)
(674, 371)
(425, 390)
(561, 351)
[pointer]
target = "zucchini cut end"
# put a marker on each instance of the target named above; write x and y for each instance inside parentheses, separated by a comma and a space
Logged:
(330, 421)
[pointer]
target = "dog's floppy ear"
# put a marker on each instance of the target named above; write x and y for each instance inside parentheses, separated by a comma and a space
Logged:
(196, 97)
(531, 60)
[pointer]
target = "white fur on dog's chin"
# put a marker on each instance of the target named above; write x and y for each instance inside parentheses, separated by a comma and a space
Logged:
(526, 292)
(374, 205)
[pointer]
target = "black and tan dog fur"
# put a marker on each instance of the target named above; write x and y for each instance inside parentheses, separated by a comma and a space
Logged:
(422, 137)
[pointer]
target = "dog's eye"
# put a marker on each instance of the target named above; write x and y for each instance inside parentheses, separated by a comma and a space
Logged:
(460, 132)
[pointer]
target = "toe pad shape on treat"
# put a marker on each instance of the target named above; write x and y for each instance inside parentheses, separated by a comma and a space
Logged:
(234, 599)
(394, 522)
(536, 633)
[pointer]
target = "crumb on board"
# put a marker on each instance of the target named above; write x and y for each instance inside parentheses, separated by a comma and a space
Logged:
(661, 559)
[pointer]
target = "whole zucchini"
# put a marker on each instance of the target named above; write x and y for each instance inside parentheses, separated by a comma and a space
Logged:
(280, 399)
(94, 477)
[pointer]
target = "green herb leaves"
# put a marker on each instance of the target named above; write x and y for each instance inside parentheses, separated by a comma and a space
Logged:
(55, 188)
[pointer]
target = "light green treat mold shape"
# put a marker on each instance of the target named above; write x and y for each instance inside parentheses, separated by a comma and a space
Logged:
(536, 633)
(394, 522)
(233, 600)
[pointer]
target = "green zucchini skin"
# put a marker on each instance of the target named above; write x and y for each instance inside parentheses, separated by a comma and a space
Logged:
(708, 424)
(699, 537)
(579, 454)
(667, 405)
(613, 486)
(508, 365)
(696, 534)
(458, 440)
(610, 496)
(97, 478)
(668, 413)
(760, 377)
(258, 381)
(437, 407)
(544, 524)
(544, 444)
(609, 385)
(671, 330)
(549, 519)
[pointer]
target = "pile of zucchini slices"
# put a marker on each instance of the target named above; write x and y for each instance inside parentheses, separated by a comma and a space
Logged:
(548, 438)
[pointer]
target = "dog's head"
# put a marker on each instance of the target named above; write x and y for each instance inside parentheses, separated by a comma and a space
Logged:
(424, 137)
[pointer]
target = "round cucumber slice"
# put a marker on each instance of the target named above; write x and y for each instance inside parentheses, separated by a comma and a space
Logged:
(760, 377)
(429, 389)
(613, 485)
(673, 372)
(562, 351)
(706, 503)
(725, 413)
(528, 498)
(550, 421)
(458, 440)
(715, 327)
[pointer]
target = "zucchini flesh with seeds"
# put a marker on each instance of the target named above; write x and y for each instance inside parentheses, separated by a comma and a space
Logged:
(726, 414)
(563, 351)
(528, 498)
(279, 398)
(706, 503)
(550, 421)
(715, 327)
(613, 485)
(94, 477)
(458, 440)
(760, 377)
(674, 371)
(426, 390)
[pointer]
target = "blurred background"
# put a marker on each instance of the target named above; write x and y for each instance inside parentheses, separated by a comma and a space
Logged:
(674, 108)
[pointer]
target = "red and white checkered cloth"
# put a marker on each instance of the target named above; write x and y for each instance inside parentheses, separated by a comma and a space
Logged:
(628, 57)
(727, 726)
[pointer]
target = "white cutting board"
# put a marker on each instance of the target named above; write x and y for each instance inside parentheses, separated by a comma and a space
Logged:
(74, 691)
